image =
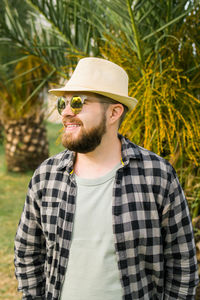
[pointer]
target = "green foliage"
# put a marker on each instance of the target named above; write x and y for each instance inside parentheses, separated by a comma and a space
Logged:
(61, 32)
(58, 33)
(166, 119)
(146, 25)
(20, 85)
(48, 41)
(69, 19)
(22, 75)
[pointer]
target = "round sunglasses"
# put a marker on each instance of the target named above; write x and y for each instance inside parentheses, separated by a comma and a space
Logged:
(76, 103)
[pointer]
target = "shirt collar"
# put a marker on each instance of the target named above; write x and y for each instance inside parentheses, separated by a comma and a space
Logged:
(67, 161)
(129, 151)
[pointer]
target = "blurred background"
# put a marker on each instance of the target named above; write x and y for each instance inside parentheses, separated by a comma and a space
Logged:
(158, 44)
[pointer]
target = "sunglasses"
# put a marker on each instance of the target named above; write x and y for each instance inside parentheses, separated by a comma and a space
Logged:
(76, 103)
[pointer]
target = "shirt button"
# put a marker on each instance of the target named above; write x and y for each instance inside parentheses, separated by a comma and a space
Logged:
(118, 182)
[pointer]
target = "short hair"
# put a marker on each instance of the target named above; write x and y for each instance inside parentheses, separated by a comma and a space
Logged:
(108, 101)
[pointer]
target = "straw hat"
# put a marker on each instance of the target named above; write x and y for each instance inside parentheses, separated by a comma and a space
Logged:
(99, 76)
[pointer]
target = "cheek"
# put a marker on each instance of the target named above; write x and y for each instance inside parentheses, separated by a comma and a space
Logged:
(91, 120)
(95, 120)
(91, 115)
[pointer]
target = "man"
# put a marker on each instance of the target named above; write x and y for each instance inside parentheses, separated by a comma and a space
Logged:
(105, 219)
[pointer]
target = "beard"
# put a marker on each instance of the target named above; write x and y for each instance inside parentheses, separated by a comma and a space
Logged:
(87, 140)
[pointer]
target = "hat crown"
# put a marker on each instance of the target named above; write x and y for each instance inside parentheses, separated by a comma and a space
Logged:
(97, 73)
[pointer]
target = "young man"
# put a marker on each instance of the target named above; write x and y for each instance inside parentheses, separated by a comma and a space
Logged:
(105, 219)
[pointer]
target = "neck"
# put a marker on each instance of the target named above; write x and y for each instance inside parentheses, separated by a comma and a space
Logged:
(100, 161)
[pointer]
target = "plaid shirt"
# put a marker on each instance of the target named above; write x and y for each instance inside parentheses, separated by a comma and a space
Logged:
(153, 235)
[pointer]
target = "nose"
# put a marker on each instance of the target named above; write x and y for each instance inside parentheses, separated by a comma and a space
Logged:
(67, 111)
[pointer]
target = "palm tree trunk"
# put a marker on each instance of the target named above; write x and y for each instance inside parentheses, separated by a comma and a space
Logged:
(26, 143)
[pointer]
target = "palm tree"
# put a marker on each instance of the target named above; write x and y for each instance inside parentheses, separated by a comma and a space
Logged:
(26, 142)
(146, 38)
(21, 113)
(48, 46)
(60, 33)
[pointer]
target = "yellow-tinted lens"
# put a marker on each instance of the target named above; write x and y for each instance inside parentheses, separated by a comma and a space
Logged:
(76, 104)
(61, 104)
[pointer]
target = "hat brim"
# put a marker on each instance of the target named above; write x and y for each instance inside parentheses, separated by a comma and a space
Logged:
(127, 101)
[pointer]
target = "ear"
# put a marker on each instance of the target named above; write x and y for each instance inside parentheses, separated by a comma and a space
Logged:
(114, 113)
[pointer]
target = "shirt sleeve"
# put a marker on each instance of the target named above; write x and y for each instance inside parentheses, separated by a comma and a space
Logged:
(181, 275)
(30, 250)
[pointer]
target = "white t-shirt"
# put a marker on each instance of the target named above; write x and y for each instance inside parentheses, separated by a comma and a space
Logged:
(92, 271)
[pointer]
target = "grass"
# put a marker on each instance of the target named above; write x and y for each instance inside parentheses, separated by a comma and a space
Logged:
(13, 187)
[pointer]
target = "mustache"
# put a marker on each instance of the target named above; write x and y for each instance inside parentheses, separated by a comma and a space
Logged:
(72, 120)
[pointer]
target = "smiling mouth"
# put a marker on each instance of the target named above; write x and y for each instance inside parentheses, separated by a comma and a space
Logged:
(72, 125)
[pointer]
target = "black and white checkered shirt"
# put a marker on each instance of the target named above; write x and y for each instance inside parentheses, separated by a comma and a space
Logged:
(153, 236)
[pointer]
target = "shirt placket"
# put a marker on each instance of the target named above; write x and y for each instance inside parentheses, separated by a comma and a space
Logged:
(68, 209)
(119, 237)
